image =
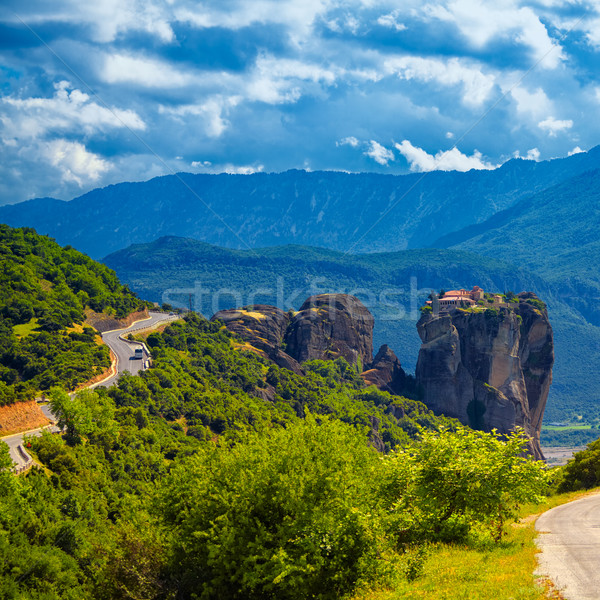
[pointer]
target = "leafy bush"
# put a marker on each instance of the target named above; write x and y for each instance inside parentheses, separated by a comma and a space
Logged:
(286, 515)
(450, 483)
(311, 510)
(583, 471)
(536, 303)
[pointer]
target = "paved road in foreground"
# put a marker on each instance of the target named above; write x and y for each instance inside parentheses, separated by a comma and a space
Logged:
(569, 539)
(124, 351)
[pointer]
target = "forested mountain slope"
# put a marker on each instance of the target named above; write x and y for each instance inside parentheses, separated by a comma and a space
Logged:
(392, 286)
(44, 293)
(553, 233)
(361, 212)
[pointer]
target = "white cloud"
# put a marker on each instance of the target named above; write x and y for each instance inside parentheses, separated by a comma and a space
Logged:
(450, 160)
(481, 21)
(213, 111)
(68, 110)
(576, 150)
(532, 154)
(345, 23)
(476, 85)
(143, 71)
(207, 167)
(593, 33)
(111, 17)
(297, 16)
(589, 26)
(391, 20)
(380, 154)
(533, 104)
(348, 141)
(74, 162)
(107, 19)
(279, 81)
(554, 126)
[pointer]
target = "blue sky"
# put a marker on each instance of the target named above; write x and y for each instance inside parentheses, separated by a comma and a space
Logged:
(93, 93)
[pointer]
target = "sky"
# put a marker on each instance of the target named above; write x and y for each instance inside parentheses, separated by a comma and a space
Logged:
(94, 93)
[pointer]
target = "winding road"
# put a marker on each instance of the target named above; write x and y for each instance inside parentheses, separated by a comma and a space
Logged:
(124, 352)
(569, 541)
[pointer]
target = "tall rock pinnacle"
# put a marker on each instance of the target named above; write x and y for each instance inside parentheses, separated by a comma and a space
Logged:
(489, 366)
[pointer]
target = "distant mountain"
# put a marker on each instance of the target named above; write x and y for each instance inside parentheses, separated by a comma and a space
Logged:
(554, 233)
(349, 212)
(392, 286)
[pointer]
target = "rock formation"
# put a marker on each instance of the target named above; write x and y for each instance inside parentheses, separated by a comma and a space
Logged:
(385, 372)
(490, 368)
(331, 325)
(264, 328)
(326, 327)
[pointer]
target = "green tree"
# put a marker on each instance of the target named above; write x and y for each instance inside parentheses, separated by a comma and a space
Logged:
(286, 515)
(84, 415)
(451, 482)
(583, 471)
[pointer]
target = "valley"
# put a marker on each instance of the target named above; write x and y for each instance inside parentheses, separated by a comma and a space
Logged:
(392, 285)
(299, 300)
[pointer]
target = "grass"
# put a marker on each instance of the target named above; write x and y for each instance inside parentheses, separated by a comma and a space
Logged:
(566, 427)
(252, 313)
(26, 329)
(503, 571)
(75, 327)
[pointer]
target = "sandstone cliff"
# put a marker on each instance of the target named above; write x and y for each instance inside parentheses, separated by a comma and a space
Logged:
(326, 327)
(385, 372)
(264, 328)
(489, 369)
(331, 325)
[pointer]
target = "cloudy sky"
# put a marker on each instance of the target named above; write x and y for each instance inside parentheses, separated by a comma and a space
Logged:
(94, 93)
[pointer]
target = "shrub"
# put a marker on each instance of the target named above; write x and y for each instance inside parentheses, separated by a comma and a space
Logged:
(583, 472)
(283, 516)
(450, 483)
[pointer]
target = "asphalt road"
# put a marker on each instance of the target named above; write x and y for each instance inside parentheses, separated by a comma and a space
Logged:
(124, 351)
(569, 540)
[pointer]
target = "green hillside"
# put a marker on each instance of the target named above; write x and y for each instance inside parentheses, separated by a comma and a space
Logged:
(44, 292)
(392, 285)
(185, 482)
(554, 233)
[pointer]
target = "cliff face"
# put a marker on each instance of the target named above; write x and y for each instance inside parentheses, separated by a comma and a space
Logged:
(326, 327)
(331, 325)
(385, 372)
(489, 369)
(102, 322)
(264, 328)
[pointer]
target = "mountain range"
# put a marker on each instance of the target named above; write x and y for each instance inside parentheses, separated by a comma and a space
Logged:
(524, 226)
(362, 212)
